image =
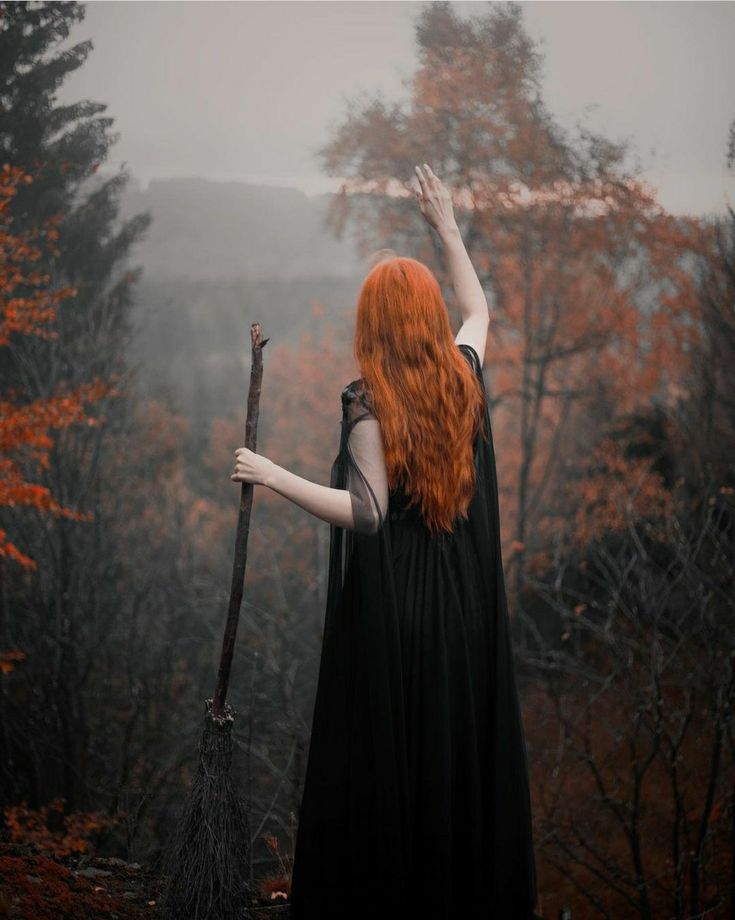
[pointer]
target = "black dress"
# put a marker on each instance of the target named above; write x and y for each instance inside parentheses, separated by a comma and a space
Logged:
(416, 798)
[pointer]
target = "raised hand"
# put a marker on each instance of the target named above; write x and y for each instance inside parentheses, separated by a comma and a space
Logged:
(435, 201)
(436, 206)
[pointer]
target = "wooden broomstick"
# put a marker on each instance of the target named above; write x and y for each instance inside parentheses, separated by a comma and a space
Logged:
(207, 864)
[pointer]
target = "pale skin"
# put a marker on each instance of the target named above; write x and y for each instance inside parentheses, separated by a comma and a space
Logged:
(335, 505)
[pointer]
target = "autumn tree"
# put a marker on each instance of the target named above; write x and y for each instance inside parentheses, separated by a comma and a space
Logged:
(632, 710)
(64, 146)
(587, 274)
(52, 612)
(26, 426)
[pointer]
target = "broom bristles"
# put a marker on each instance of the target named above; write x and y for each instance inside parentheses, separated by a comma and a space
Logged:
(207, 863)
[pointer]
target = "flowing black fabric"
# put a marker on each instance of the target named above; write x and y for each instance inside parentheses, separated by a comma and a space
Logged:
(416, 798)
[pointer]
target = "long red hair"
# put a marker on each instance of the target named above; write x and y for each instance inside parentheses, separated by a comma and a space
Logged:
(426, 397)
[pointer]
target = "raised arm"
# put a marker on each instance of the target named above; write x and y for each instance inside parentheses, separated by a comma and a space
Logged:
(435, 203)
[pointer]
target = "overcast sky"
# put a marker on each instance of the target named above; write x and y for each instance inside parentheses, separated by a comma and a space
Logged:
(250, 90)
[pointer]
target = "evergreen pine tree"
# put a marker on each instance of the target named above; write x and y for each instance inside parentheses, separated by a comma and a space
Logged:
(63, 146)
(64, 614)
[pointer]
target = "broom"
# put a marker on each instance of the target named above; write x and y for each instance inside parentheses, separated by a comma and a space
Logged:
(207, 863)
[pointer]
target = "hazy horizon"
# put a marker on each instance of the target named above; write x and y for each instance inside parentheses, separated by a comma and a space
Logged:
(247, 91)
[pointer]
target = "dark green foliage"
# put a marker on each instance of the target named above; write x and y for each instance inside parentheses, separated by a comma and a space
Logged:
(63, 146)
(50, 613)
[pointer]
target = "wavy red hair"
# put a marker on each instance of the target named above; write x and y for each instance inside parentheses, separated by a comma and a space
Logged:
(426, 397)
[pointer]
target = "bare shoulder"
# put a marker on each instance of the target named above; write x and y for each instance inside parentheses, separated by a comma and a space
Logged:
(473, 332)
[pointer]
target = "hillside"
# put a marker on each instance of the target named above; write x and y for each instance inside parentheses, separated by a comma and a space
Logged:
(205, 230)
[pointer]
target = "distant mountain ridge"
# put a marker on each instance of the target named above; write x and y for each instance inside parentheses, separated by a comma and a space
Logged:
(209, 230)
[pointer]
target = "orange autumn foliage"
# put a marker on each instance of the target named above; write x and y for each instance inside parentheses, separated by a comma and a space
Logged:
(28, 307)
(9, 658)
(622, 492)
(29, 314)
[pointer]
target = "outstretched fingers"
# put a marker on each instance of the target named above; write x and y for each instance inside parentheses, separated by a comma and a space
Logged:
(433, 178)
(423, 181)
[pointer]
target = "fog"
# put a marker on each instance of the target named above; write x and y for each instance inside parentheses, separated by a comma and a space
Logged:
(609, 365)
(249, 90)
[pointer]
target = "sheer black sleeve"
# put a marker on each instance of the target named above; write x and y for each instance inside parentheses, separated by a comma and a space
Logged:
(366, 474)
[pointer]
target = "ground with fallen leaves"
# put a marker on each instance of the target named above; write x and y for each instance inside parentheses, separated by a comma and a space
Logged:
(35, 886)
(39, 886)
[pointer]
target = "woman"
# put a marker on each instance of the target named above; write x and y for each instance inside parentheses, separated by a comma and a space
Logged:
(416, 799)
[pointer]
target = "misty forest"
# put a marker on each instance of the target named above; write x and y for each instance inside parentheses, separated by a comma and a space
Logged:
(125, 352)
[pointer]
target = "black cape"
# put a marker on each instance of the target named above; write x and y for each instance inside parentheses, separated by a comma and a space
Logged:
(416, 798)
